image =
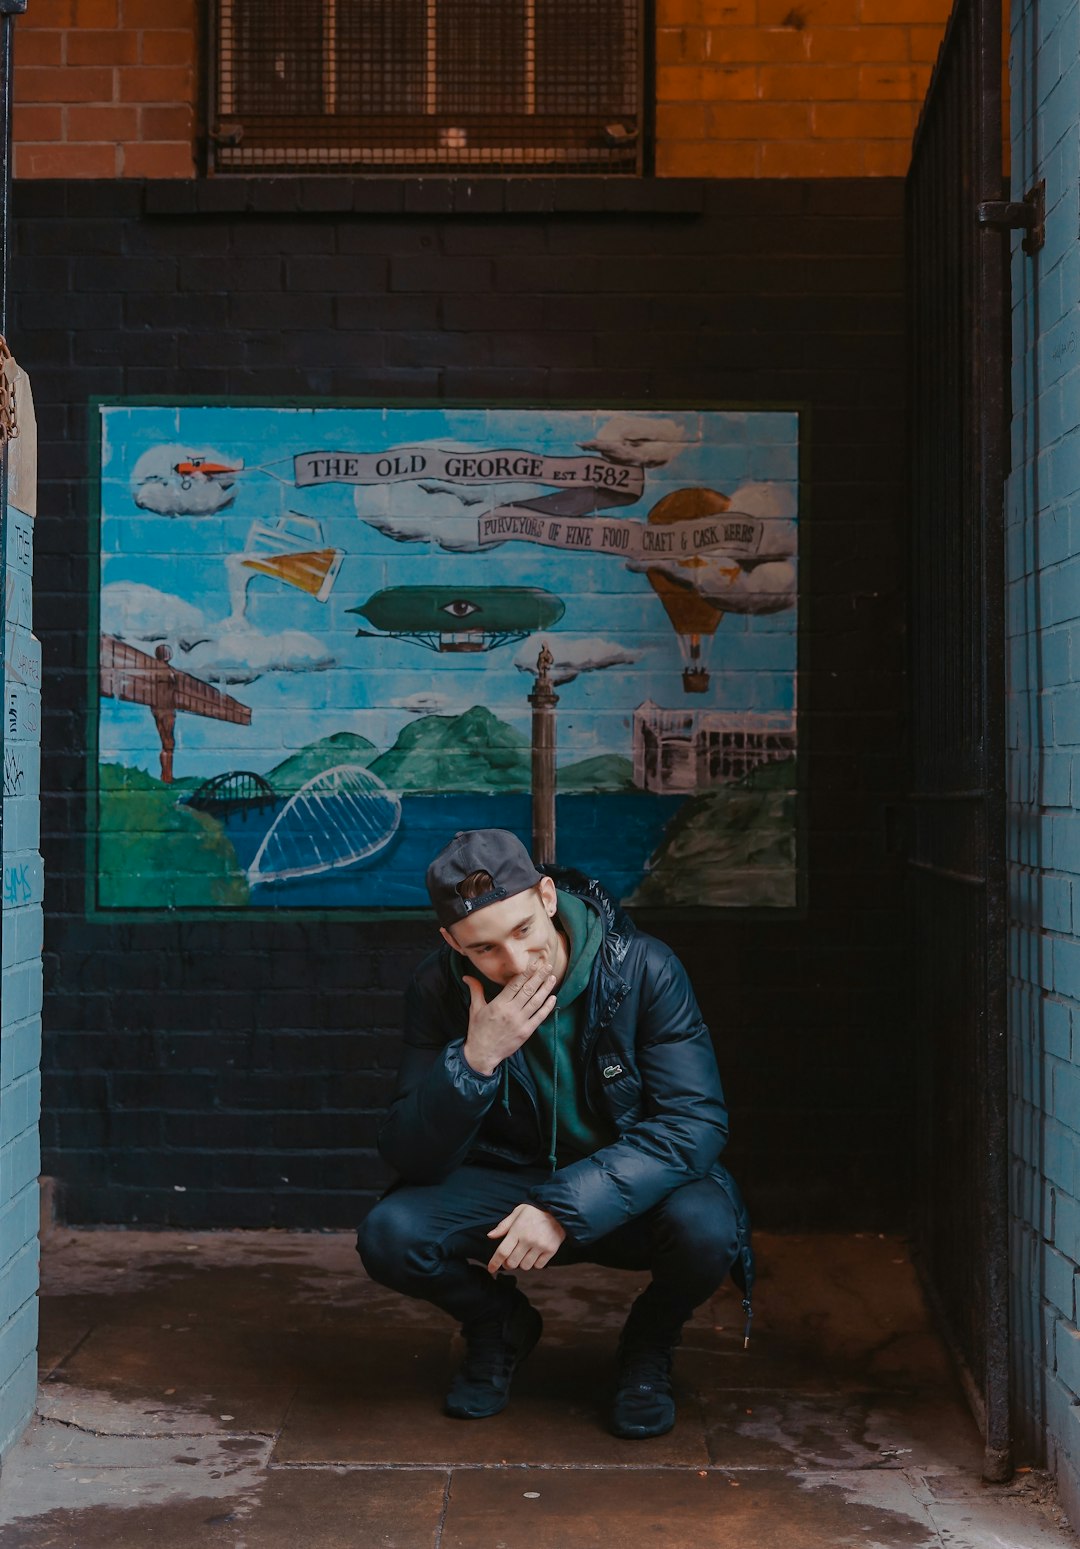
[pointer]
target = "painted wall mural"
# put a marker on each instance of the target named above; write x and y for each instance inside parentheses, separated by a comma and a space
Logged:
(320, 628)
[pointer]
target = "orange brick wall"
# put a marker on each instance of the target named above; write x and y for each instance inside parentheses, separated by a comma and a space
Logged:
(104, 88)
(745, 88)
(792, 88)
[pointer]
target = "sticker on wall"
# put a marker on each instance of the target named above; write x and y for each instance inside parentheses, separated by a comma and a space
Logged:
(321, 628)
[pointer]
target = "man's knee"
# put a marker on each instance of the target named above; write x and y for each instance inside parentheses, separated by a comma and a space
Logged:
(386, 1236)
(699, 1218)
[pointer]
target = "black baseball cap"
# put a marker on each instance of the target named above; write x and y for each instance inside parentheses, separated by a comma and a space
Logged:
(494, 850)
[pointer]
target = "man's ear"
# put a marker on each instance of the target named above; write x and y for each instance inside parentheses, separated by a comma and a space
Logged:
(448, 938)
(546, 889)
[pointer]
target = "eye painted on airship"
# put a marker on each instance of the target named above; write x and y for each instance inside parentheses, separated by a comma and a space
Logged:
(461, 608)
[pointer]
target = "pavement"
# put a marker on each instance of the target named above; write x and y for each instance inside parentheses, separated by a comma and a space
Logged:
(252, 1390)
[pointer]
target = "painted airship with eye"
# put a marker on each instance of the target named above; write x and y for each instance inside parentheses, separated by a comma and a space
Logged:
(448, 618)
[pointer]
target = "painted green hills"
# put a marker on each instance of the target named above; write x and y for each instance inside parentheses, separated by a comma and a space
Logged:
(732, 846)
(474, 751)
(156, 853)
(343, 747)
(605, 772)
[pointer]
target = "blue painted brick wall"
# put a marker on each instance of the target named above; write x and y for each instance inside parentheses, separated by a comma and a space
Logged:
(1044, 720)
(21, 939)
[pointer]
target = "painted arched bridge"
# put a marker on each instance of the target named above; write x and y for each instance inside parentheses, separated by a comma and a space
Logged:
(236, 791)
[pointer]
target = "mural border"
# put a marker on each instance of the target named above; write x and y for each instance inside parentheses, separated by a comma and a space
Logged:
(659, 917)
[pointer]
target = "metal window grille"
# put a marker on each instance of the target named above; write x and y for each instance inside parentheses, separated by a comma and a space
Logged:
(371, 86)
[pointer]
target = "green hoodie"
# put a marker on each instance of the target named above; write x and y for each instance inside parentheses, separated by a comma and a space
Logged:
(550, 1053)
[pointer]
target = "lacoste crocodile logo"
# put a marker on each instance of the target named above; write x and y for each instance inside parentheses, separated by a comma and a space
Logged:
(611, 1071)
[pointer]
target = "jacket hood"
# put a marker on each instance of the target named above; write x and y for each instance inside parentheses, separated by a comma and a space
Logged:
(618, 926)
(607, 987)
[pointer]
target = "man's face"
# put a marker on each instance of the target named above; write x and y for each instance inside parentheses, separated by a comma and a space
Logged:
(513, 936)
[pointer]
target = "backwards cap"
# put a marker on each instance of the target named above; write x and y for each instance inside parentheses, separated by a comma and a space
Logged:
(494, 850)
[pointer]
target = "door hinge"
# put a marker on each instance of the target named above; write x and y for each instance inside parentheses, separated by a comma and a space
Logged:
(1027, 214)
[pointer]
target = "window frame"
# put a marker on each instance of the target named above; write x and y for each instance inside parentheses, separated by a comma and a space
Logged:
(226, 154)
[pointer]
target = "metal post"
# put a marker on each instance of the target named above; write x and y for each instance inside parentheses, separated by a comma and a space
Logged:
(991, 351)
(543, 700)
(958, 413)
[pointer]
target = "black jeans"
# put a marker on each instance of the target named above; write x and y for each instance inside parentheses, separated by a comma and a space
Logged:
(420, 1238)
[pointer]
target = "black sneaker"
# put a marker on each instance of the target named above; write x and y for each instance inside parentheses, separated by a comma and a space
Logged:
(643, 1404)
(495, 1348)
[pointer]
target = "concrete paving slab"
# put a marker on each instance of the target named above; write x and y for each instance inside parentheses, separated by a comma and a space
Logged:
(61, 1329)
(987, 1517)
(853, 1430)
(292, 1509)
(301, 1280)
(675, 1508)
(392, 1412)
(67, 1468)
(66, 1448)
(104, 1414)
(996, 1522)
(247, 1375)
(170, 1359)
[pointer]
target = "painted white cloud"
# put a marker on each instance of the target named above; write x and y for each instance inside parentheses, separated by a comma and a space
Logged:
(573, 656)
(242, 655)
(222, 651)
(637, 442)
(424, 703)
(409, 513)
(145, 616)
(181, 480)
(766, 500)
(762, 588)
(776, 505)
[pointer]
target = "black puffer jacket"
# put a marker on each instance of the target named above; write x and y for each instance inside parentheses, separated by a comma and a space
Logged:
(649, 1065)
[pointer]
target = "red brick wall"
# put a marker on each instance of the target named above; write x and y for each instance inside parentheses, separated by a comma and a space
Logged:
(105, 88)
(745, 88)
(792, 88)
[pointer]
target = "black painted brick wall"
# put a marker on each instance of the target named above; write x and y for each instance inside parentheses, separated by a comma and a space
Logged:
(232, 1073)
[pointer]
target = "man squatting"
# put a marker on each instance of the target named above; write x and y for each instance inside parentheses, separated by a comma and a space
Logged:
(560, 1104)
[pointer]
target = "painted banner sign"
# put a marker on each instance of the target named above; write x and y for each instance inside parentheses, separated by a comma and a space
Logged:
(500, 466)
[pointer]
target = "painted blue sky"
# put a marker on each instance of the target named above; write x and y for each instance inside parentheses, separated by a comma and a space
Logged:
(321, 678)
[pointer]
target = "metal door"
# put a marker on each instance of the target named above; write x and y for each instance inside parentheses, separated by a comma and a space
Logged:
(958, 363)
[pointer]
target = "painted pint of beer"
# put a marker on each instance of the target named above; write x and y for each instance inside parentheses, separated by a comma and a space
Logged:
(292, 550)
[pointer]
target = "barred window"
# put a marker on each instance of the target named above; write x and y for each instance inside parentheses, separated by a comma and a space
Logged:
(437, 85)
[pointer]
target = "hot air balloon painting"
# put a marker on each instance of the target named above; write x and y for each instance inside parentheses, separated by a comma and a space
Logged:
(694, 617)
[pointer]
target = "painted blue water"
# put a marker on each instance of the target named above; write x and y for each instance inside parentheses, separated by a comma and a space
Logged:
(609, 836)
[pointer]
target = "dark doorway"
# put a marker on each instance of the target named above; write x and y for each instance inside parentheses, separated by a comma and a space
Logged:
(957, 320)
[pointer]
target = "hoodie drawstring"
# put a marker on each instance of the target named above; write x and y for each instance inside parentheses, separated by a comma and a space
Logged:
(552, 1159)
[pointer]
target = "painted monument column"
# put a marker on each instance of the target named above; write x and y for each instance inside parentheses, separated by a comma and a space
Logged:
(543, 700)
